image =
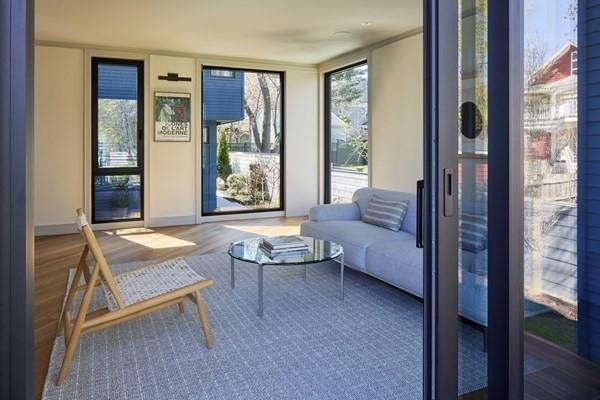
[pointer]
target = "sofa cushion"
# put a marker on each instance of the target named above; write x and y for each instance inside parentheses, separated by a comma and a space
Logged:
(363, 196)
(354, 236)
(397, 262)
(473, 297)
(387, 214)
(473, 231)
(335, 212)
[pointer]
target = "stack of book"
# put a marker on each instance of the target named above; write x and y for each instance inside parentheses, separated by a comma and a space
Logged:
(288, 246)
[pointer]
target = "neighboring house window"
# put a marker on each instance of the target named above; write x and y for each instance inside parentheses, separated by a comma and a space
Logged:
(574, 62)
(222, 73)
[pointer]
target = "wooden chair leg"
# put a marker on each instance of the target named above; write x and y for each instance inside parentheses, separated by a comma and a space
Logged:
(77, 327)
(70, 297)
(203, 318)
(68, 357)
(181, 308)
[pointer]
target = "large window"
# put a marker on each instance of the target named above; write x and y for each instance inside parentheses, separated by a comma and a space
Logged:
(346, 132)
(242, 140)
(117, 140)
(550, 137)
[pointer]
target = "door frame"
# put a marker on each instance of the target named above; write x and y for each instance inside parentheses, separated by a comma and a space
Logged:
(440, 281)
(505, 225)
(16, 216)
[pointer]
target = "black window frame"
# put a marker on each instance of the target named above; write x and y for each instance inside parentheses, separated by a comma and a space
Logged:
(117, 171)
(327, 125)
(282, 196)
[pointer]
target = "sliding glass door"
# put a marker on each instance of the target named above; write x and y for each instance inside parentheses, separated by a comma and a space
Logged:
(346, 132)
(474, 197)
(117, 140)
(242, 141)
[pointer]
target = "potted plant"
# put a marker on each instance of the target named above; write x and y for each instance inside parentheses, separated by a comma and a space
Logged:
(119, 200)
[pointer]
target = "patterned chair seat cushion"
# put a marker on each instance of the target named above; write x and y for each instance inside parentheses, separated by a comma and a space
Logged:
(151, 281)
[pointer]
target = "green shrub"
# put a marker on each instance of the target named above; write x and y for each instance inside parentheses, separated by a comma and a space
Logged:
(224, 169)
(237, 184)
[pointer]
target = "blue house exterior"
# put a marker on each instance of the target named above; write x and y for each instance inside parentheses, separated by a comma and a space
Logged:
(222, 102)
(588, 235)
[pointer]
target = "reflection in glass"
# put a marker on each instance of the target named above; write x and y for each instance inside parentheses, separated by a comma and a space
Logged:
(550, 138)
(473, 196)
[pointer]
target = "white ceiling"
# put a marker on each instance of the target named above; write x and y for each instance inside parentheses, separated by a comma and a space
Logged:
(299, 31)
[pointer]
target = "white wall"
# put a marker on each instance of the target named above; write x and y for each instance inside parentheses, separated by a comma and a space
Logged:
(396, 101)
(59, 136)
(171, 173)
(301, 142)
(172, 170)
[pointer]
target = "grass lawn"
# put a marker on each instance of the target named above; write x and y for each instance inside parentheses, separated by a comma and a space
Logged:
(554, 328)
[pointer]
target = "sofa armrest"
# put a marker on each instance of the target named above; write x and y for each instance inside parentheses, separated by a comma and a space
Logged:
(335, 212)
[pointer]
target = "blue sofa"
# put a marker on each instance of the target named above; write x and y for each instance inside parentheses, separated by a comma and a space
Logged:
(387, 255)
(393, 256)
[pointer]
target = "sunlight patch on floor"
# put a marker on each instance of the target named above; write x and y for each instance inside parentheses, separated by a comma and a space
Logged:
(263, 230)
(132, 231)
(157, 240)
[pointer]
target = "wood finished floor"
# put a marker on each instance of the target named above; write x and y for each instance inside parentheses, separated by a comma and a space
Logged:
(567, 377)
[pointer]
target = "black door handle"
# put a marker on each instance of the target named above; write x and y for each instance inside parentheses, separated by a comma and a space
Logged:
(420, 190)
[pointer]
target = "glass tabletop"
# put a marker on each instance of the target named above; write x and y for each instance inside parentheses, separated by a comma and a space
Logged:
(318, 250)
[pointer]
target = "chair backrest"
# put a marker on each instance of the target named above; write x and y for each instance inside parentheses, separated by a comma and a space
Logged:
(104, 270)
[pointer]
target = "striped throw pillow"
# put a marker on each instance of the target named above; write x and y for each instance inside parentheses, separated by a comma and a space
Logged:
(387, 214)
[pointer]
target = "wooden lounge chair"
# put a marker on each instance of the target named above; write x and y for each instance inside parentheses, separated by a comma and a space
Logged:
(129, 294)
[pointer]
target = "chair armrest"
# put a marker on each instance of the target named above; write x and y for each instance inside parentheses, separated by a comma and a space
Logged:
(335, 212)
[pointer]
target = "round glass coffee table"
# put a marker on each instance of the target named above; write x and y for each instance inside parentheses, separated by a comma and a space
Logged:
(318, 251)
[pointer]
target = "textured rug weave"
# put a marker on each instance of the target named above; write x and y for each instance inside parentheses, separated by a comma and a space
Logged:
(308, 345)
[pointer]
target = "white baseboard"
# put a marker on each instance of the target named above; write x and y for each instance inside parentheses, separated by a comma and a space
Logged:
(171, 221)
(242, 216)
(60, 229)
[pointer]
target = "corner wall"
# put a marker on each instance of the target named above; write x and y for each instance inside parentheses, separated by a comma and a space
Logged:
(59, 137)
(396, 122)
(395, 111)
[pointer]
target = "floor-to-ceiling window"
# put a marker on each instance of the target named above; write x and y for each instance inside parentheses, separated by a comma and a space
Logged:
(117, 140)
(346, 132)
(242, 140)
(550, 170)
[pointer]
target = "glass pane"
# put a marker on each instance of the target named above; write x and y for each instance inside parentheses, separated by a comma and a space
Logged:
(241, 150)
(348, 133)
(117, 197)
(117, 116)
(473, 191)
(550, 172)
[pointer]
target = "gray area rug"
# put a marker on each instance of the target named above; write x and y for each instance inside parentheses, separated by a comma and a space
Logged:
(308, 345)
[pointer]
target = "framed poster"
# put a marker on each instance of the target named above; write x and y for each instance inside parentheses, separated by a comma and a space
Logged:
(172, 117)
